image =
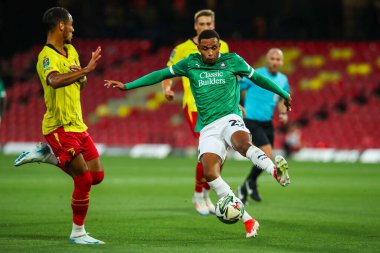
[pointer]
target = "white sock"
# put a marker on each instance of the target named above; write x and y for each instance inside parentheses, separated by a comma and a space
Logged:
(77, 230)
(220, 187)
(198, 194)
(260, 159)
(246, 216)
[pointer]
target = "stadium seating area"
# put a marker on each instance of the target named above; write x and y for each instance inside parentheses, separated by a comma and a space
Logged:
(335, 90)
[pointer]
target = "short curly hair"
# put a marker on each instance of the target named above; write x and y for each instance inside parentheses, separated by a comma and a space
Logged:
(208, 34)
(55, 15)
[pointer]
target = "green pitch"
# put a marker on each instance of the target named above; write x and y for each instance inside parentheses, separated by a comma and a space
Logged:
(144, 205)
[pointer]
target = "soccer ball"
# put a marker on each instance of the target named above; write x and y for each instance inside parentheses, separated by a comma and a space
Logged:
(229, 209)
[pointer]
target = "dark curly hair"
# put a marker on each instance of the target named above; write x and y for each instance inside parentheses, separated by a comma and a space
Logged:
(55, 15)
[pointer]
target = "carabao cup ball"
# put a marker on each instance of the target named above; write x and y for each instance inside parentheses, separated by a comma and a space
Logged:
(229, 209)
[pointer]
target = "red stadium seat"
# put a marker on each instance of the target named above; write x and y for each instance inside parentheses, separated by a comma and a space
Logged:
(126, 60)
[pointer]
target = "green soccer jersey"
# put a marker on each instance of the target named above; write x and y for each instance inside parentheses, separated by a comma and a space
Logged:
(214, 86)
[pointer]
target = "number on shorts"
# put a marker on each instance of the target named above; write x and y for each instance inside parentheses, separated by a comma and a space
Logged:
(235, 122)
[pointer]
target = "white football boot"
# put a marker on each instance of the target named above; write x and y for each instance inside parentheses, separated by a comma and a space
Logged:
(41, 153)
(210, 205)
(200, 205)
(282, 170)
(251, 228)
(85, 239)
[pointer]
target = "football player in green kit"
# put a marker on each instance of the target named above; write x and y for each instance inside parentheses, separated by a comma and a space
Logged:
(213, 81)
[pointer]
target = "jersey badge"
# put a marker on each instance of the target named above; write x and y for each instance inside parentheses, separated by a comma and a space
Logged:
(46, 62)
(223, 65)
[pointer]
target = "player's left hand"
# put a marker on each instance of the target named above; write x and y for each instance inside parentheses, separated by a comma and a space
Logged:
(114, 84)
(288, 103)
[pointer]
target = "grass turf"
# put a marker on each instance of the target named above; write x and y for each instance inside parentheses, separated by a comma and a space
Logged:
(144, 205)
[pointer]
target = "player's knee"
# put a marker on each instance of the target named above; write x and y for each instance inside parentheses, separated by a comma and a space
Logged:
(211, 166)
(242, 147)
(83, 182)
(241, 141)
(211, 174)
(97, 177)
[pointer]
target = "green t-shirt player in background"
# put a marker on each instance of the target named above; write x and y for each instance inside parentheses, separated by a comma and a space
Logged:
(213, 80)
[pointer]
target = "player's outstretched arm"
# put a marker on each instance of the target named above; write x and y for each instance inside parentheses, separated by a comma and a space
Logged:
(57, 80)
(268, 84)
(149, 79)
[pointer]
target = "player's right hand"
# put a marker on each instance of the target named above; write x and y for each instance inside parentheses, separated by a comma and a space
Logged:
(115, 84)
(169, 94)
(94, 60)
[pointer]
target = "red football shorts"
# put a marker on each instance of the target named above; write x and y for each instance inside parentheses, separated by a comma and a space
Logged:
(67, 145)
(191, 117)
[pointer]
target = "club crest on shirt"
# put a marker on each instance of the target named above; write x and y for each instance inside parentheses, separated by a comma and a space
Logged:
(46, 62)
(223, 65)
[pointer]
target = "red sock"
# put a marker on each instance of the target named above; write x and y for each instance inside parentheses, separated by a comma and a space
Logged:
(199, 178)
(97, 176)
(205, 184)
(81, 198)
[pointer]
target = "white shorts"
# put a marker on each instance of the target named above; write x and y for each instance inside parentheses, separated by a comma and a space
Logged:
(216, 137)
